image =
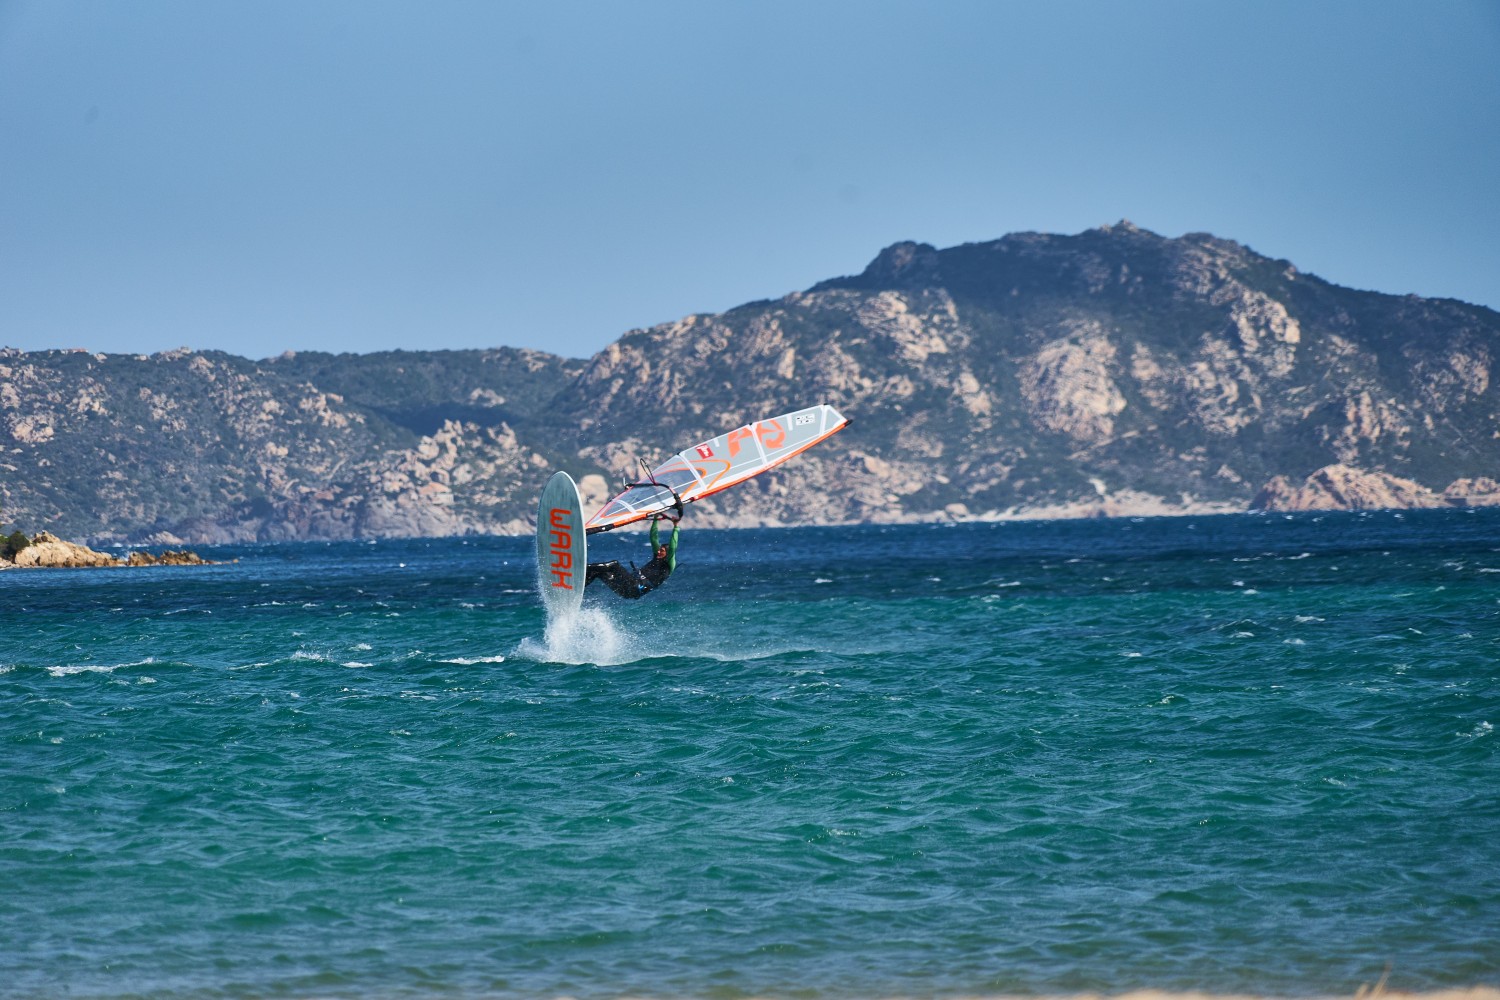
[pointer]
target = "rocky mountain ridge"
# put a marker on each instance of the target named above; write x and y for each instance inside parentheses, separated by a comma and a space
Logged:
(1115, 371)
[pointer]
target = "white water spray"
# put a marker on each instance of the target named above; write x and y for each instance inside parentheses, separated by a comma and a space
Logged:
(589, 636)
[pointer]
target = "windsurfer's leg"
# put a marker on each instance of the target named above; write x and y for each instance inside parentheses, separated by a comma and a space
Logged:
(600, 569)
(615, 578)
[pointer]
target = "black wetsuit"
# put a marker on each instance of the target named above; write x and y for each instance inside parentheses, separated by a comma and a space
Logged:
(632, 583)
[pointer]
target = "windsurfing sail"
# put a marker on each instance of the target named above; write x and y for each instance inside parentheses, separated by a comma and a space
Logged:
(718, 464)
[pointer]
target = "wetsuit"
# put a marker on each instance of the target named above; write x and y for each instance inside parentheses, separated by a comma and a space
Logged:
(632, 583)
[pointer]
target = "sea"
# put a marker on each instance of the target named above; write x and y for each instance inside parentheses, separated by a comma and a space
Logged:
(1235, 754)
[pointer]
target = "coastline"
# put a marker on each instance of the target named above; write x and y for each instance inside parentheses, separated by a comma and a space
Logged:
(1366, 992)
(1118, 505)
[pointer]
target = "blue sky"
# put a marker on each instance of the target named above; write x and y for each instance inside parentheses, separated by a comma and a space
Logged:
(358, 176)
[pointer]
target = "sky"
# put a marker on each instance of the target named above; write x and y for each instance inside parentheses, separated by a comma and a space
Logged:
(359, 175)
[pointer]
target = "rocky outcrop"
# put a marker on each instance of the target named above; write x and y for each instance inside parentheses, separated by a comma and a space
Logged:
(48, 550)
(1068, 387)
(181, 557)
(1481, 492)
(1339, 487)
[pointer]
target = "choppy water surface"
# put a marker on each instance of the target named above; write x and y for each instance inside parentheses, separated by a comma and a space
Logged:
(1228, 753)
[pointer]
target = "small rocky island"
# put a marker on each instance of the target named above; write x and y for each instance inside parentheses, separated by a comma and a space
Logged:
(47, 550)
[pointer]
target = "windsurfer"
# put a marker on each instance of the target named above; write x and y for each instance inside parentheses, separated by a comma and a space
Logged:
(632, 583)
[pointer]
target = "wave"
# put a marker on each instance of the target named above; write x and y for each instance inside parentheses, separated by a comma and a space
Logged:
(73, 669)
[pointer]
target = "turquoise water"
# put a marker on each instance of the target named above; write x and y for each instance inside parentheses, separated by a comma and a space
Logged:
(1225, 753)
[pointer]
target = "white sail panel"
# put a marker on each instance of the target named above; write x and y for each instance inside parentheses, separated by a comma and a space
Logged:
(718, 464)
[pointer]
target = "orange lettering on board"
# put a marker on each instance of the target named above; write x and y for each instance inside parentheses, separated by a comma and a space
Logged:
(561, 548)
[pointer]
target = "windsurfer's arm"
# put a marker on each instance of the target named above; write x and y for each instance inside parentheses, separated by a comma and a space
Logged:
(671, 543)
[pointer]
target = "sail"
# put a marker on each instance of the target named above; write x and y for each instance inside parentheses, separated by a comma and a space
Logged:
(718, 464)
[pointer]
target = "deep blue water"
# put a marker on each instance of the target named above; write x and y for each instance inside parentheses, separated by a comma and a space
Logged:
(1243, 753)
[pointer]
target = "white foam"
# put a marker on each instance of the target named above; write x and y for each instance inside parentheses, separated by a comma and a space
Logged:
(95, 668)
(589, 636)
(469, 661)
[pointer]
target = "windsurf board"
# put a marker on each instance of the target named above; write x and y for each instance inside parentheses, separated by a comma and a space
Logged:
(561, 547)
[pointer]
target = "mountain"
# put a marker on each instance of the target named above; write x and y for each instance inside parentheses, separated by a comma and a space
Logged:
(209, 447)
(1112, 371)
